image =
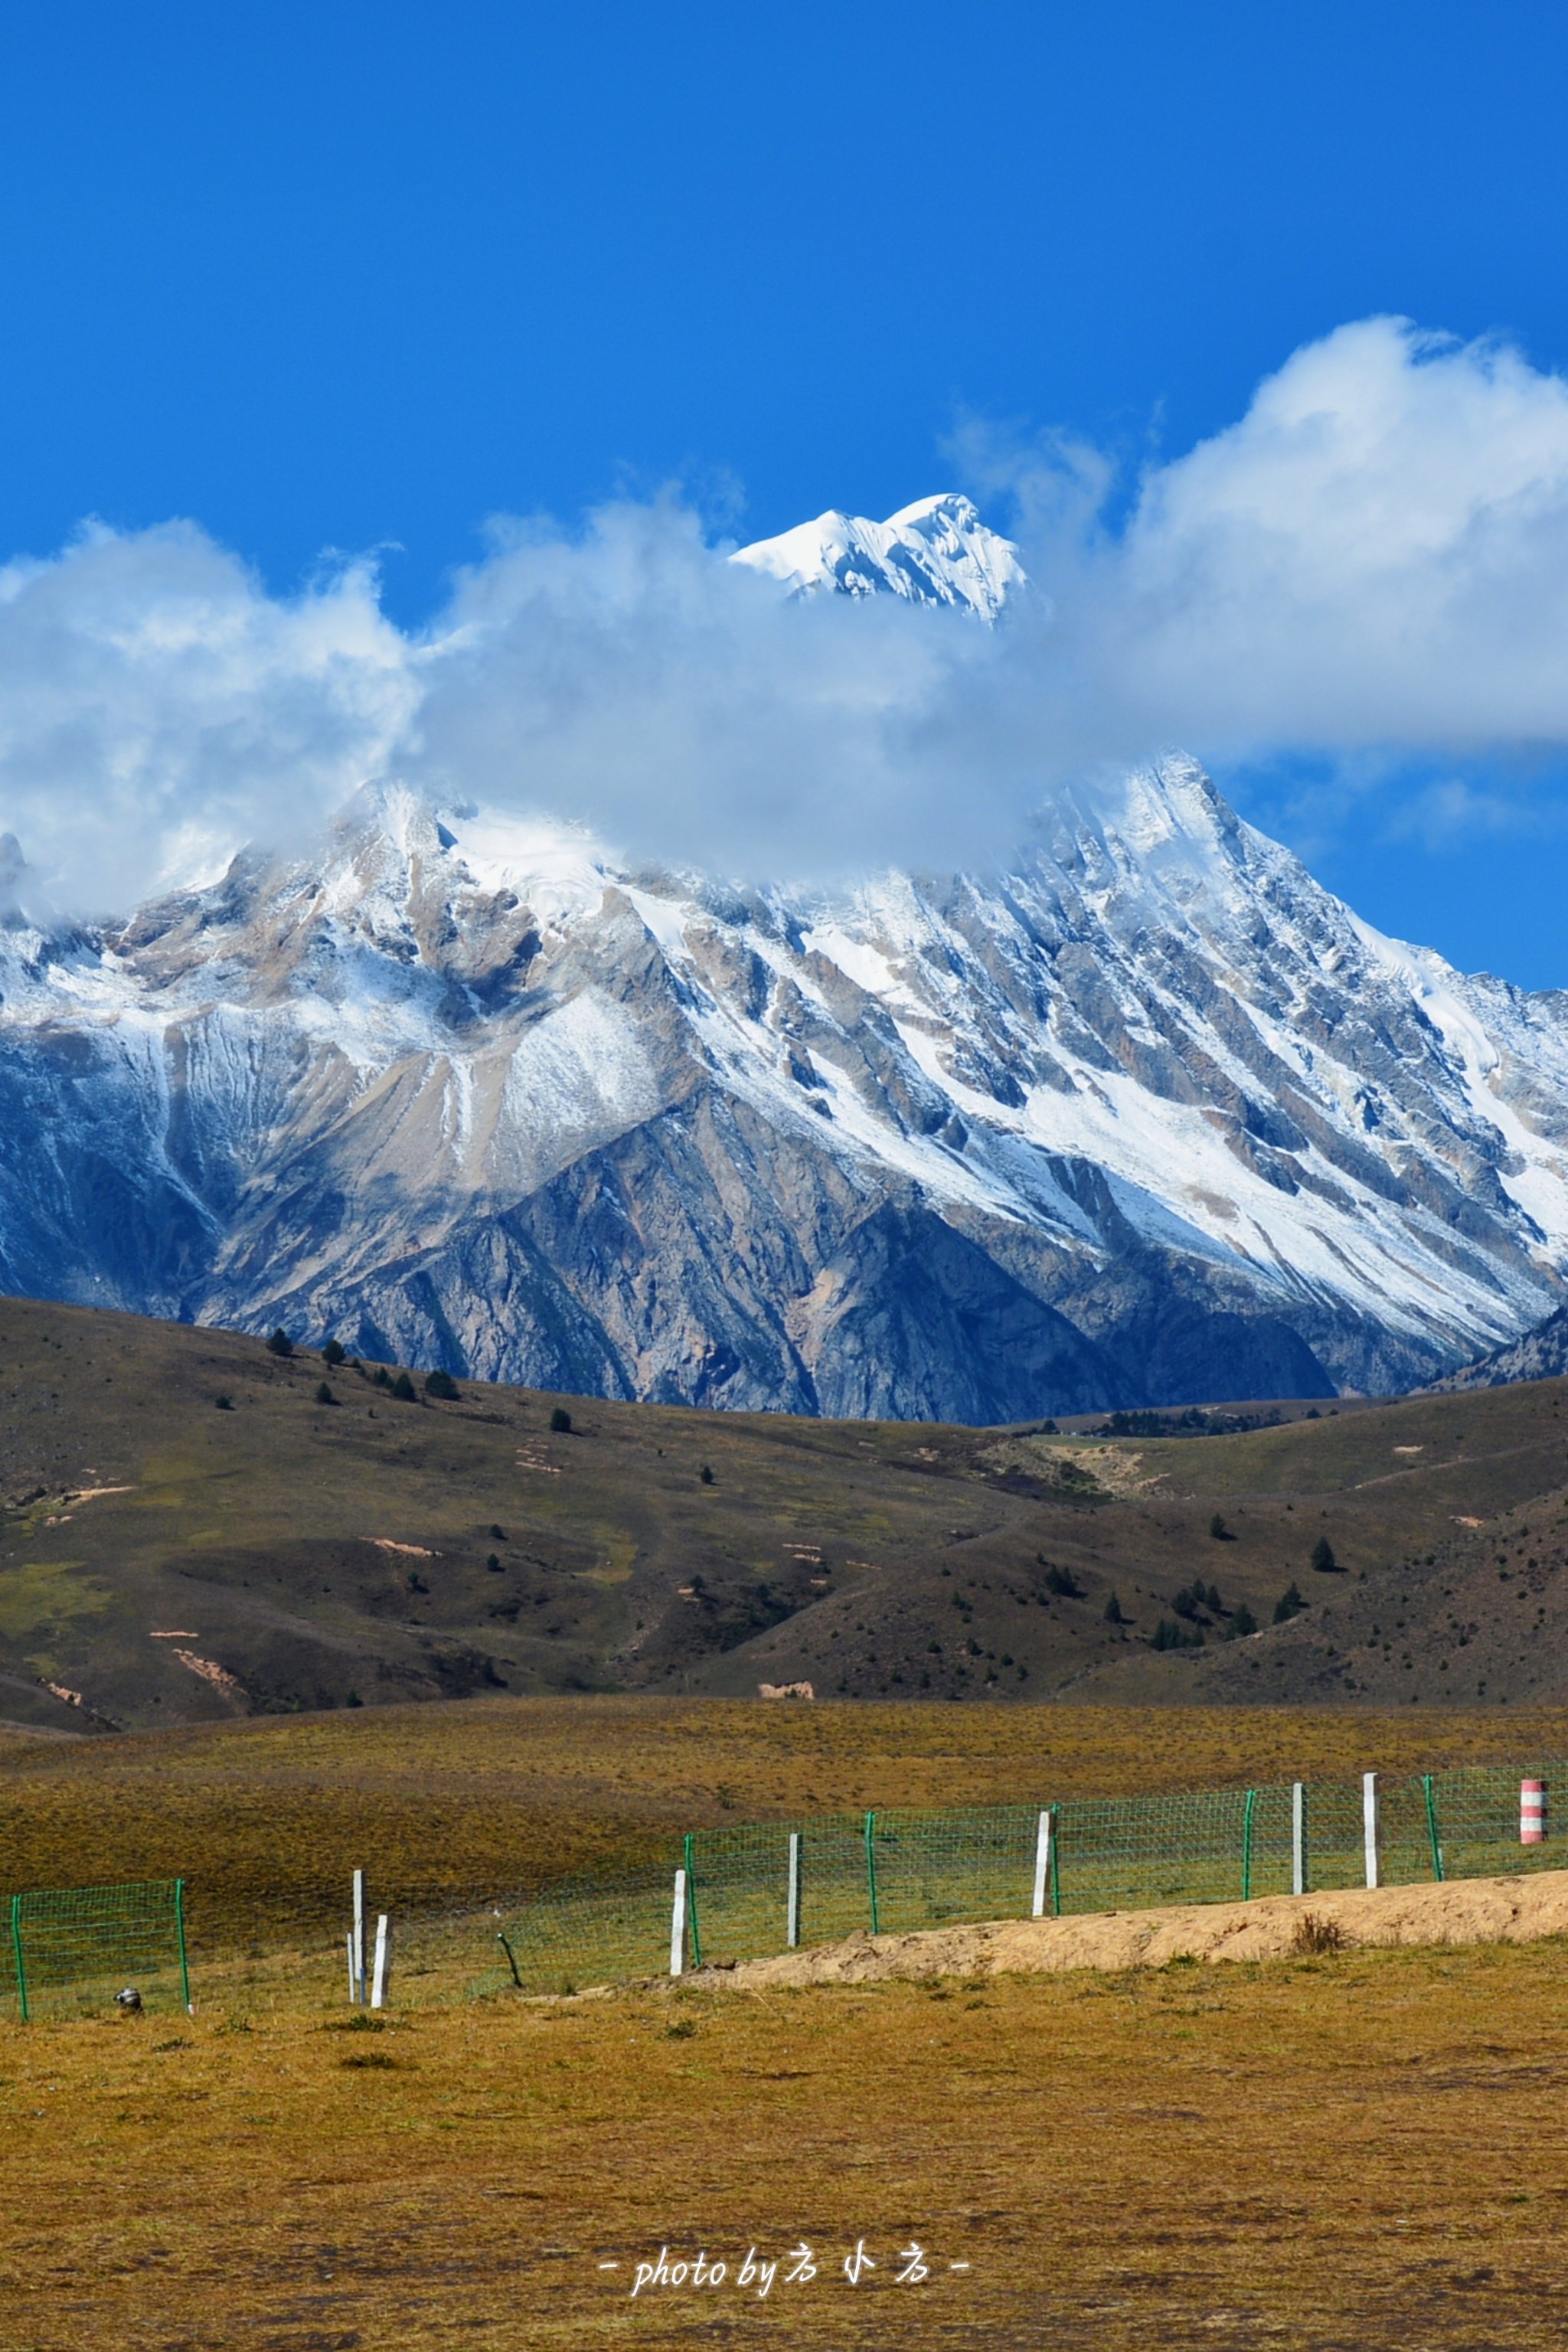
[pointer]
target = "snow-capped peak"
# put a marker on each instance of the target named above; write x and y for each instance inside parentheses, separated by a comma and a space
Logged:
(937, 552)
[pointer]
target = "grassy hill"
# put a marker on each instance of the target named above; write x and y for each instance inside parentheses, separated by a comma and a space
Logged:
(191, 1533)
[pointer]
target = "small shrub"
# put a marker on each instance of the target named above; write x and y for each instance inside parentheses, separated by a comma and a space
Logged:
(402, 1387)
(561, 1421)
(1289, 1604)
(381, 1378)
(706, 1475)
(1113, 1615)
(1316, 1937)
(324, 1394)
(498, 1534)
(1061, 1581)
(280, 1344)
(1323, 1558)
(1218, 1530)
(353, 1699)
(681, 2031)
(333, 1354)
(493, 1564)
(1242, 1623)
(224, 1404)
(442, 1386)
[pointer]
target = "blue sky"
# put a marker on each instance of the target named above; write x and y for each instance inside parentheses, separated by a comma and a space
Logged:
(336, 277)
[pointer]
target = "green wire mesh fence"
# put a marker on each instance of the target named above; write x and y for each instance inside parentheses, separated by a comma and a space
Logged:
(583, 1934)
(754, 1890)
(73, 1949)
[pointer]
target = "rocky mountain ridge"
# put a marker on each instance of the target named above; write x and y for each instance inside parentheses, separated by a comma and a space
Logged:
(1152, 1118)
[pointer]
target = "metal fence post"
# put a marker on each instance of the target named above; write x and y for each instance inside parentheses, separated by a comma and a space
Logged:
(688, 1857)
(871, 1870)
(1056, 1880)
(1247, 1812)
(792, 1898)
(17, 1955)
(1042, 1865)
(1297, 1837)
(1371, 1829)
(180, 1932)
(1432, 1838)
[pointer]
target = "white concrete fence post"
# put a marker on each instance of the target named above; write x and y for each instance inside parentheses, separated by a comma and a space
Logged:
(1297, 1837)
(356, 1943)
(1371, 1829)
(677, 1926)
(383, 1962)
(792, 1905)
(1042, 1866)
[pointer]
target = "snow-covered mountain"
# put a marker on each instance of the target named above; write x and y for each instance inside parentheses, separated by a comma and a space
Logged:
(1154, 1119)
(937, 552)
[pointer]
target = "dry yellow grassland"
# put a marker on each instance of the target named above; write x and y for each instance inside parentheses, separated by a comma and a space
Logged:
(1363, 2149)
(260, 1816)
(1358, 2151)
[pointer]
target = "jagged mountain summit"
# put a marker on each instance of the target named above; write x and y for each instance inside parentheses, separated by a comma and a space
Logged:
(1152, 1119)
(937, 552)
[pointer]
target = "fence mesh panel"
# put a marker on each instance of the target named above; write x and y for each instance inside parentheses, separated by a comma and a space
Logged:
(73, 1949)
(740, 1885)
(577, 1935)
(935, 1870)
(1478, 1820)
(1126, 1853)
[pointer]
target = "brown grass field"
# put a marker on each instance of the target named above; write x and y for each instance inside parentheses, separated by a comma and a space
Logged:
(265, 1818)
(1357, 2150)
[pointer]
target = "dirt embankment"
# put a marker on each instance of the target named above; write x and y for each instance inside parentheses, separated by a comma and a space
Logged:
(1473, 1911)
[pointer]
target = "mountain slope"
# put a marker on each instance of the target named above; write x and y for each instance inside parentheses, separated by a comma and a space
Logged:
(1540, 1355)
(1152, 1117)
(166, 1557)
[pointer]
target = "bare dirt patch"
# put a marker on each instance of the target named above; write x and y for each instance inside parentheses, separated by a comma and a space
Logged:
(1470, 1911)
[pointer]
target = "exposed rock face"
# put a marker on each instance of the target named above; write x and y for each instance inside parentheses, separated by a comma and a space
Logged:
(1152, 1119)
(1540, 1355)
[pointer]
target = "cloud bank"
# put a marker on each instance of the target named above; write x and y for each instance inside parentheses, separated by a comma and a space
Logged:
(1371, 562)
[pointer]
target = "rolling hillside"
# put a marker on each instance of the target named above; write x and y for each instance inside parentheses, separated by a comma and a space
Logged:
(191, 1533)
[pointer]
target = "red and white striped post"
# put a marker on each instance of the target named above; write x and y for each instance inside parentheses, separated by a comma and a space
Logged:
(1532, 1812)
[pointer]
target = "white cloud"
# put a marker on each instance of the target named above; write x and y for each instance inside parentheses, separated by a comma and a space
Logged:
(1377, 554)
(157, 706)
(1372, 561)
